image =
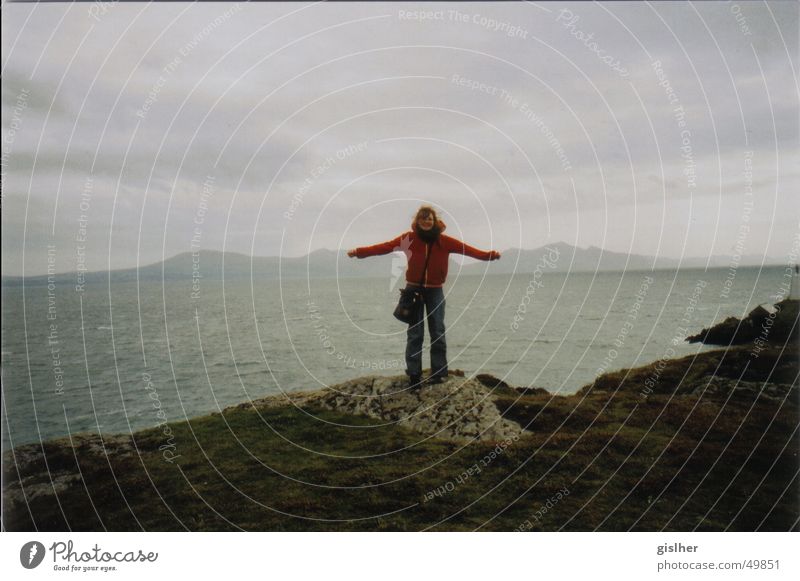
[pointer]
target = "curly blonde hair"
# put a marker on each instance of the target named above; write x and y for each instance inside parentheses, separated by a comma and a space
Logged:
(424, 211)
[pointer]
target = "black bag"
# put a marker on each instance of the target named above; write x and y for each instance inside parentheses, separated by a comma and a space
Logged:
(411, 298)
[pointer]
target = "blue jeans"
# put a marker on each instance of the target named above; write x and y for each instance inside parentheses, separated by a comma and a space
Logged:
(434, 306)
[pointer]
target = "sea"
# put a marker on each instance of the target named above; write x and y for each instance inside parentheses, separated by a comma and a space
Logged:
(119, 357)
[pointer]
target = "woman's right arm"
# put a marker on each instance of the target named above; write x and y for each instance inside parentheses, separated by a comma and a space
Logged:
(377, 249)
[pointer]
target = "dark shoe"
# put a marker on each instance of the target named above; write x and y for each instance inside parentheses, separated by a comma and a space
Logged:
(415, 381)
(436, 379)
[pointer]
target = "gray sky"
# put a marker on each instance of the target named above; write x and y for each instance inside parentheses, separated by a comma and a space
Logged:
(633, 127)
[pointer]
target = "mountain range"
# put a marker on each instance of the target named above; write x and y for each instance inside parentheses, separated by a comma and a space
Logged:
(324, 263)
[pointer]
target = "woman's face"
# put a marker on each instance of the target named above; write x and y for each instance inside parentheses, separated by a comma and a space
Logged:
(426, 222)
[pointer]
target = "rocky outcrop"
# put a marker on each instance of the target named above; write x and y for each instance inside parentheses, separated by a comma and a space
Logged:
(26, 464)
(730, 414)
(771, 326)
(20, 492)
(493, 383)
(460, 408)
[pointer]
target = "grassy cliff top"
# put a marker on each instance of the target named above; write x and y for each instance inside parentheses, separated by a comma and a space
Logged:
(707, 443)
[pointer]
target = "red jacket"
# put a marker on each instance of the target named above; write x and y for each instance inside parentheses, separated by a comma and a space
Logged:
(415, 250)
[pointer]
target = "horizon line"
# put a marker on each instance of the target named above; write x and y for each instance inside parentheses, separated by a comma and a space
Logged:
(768, 261)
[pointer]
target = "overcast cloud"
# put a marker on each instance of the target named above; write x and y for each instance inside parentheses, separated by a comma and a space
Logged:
(325, 126)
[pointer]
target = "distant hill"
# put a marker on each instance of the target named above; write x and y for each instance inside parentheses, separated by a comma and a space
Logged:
(574, 259)
(215, 265)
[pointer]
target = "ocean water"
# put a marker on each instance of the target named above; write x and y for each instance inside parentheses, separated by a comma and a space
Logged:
(122, 357)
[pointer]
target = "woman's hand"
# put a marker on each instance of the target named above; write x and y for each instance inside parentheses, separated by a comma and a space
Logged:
(351, 253)
(494, 255)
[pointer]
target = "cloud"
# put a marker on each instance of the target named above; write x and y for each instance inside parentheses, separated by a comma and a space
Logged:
(511, 117)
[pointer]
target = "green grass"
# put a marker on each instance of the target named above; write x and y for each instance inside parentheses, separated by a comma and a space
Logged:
(673, 462)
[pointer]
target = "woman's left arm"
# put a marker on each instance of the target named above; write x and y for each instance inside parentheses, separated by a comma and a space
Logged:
(459, 247)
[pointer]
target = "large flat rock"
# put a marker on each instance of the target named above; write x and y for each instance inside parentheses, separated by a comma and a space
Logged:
(460, 408)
